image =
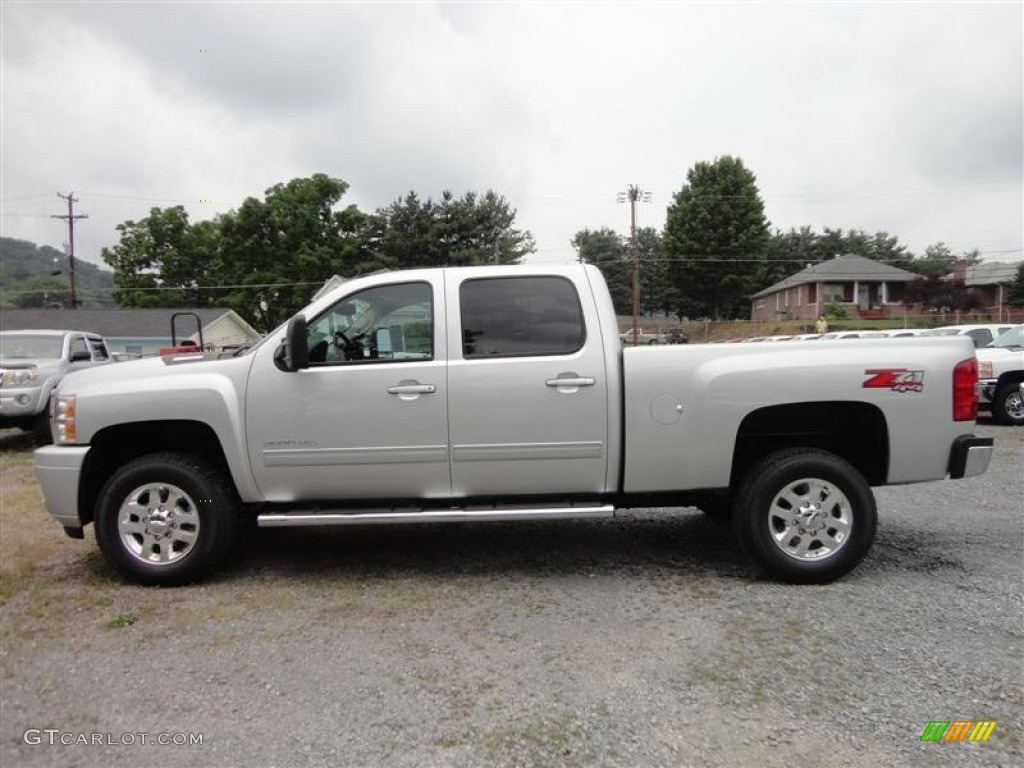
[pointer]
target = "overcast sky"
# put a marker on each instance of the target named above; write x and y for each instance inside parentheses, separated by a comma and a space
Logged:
(898, 117)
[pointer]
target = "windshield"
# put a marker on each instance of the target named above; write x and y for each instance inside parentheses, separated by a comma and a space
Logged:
(1012, 338)
(26, 346)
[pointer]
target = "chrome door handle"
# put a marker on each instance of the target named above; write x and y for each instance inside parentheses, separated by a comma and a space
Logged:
(412, 389)
(579, 381)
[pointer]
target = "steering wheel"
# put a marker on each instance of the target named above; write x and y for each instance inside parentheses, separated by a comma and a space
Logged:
(351, 348)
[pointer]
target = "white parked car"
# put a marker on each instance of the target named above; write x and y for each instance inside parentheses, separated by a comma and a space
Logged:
(983, 334)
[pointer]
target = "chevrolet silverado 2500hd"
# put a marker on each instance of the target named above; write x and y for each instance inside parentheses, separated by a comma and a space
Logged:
(502, 393)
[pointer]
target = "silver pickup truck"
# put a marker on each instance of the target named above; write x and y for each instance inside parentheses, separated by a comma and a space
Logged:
(32, 363)
(502, 393)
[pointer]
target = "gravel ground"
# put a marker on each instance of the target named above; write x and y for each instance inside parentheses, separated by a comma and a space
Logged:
(642, 641)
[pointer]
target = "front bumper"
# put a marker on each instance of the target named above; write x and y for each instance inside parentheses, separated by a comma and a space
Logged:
(969, 456)
(19, 404)
(58, 469)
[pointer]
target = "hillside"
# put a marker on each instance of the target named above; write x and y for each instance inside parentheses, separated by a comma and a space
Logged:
(27, 279)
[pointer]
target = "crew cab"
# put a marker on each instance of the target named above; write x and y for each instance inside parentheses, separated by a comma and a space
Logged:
(31, 365)
(501, 394)
(1001, 377)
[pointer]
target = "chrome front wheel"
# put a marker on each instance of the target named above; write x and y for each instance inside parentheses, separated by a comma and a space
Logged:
(159, 523)
(167, 518)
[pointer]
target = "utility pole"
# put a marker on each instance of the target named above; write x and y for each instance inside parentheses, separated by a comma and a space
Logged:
(71, 216)
(634, 195)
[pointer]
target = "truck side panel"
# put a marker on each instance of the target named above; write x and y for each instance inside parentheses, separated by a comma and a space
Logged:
(685, 405)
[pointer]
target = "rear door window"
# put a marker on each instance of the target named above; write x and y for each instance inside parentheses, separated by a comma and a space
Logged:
(520, 317)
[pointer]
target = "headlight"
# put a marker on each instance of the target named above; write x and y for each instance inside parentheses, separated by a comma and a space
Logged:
(64, 411)
(20, 377)
(984, 369)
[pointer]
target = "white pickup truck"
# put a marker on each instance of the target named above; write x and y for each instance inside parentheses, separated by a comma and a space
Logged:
(1001, 377)
(501, 393)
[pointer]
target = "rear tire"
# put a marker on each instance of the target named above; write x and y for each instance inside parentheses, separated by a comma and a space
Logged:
(166, 519)
(1008, 405)
(805, 516)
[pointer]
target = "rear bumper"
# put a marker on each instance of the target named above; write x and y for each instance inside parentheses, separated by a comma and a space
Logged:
(969, 456)
(58, 469)
(987, 390)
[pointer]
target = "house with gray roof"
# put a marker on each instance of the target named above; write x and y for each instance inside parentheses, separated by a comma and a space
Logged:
(137, 331)
(988, 284)
(868, 288)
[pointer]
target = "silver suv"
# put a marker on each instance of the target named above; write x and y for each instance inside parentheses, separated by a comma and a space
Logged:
(31, 365)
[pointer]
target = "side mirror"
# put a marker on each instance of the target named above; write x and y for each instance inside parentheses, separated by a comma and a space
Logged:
(79, 355)
(294, 352)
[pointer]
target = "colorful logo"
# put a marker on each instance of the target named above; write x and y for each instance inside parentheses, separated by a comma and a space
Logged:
(958, 730)
(896, 379)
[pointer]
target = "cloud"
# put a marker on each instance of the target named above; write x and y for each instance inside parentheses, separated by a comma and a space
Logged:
(906, 118)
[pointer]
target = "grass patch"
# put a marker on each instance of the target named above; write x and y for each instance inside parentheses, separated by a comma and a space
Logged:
(122, 620)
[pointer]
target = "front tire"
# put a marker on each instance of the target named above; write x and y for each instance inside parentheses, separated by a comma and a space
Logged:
(1008, 405)
(805, 516)
(41, 427)
(166, 519)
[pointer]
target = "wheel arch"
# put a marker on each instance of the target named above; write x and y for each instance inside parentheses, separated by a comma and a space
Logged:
(1010, 377)
(114, 446)
(855, 431)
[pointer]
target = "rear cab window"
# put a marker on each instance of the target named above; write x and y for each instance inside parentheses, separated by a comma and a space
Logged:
(520, 317)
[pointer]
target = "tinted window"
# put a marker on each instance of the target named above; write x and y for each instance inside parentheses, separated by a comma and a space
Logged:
(388, 322)
(520, 316)
(981, 336)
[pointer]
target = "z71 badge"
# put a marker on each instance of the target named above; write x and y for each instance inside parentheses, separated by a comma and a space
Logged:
(896, 379)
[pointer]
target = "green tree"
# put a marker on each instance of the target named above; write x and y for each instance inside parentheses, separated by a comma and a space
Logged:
(605, 249)
(657, 291)
(942, 295)
(274, 253)
(152, 262)
(938, 260)
(716, 236)
(454, 231)
(264, 260)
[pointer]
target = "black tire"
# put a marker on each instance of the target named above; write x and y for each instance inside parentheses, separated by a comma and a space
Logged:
(825, 538)
(41, 427)
(1008, 405)
(182, 525)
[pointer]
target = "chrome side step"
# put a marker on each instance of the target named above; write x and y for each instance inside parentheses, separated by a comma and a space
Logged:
(453, 515)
